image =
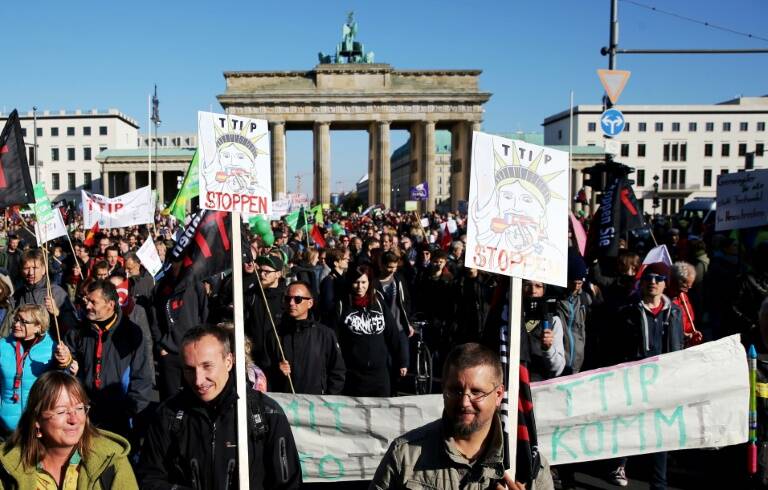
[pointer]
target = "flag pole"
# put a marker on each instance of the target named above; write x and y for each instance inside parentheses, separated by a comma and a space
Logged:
(49, 290)
(74, 255)
(149, 141)
(274, 330)
(513, 370)
(240, 364)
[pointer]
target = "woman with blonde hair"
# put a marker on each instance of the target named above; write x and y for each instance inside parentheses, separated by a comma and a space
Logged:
(55, 445)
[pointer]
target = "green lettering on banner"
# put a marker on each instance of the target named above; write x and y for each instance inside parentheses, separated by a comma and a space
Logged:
(658, 417)
(568, 389)
(312, 420)
(339, 467)
(303, 457)
(293, 408)
(335, 408)
(603, 395)
(557, 435)
(626, 423)
(627, 388)
(599, 433)
(645, 382)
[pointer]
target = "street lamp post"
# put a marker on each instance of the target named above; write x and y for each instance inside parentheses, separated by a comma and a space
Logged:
(34, 142)
(396, 190)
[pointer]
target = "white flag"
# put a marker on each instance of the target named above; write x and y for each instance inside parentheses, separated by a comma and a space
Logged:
(149, 258)
(658, 254)
(133, 208)
(55, 228)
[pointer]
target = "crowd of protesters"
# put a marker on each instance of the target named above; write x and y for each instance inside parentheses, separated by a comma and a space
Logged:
(332, 316)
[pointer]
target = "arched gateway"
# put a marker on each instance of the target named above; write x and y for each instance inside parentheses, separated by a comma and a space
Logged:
(348, 93)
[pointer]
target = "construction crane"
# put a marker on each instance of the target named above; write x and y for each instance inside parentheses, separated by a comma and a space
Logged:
(299, 178)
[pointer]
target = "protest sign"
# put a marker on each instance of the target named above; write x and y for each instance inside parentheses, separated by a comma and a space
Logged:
(411, 205)
(420, 192)
(742, 200)
(658, 404)
(518, 210)
(234, 164)
(280, 208)
(42, 205)
(54, 228)
(133, 208)
(149, 257)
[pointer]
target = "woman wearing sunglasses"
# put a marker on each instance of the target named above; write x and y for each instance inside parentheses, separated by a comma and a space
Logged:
(55, 445)
(368, 337)
(25, 354)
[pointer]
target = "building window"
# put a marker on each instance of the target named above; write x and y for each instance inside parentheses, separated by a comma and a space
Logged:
(665, 178)
(682, 178)
(54, 154)
(725, 150)
(102, 130)
(759, 149)
(761, 126)
(674, 152)
(559, 137)
(708, 148)
(658, 127)
(39, 132)
(24, 132)
(726, 126)
(742, 149)
(70, 131)
(692, 127)
(87, 180)
(709, 127)
(626, 128)
(683, 152)
(591, 127)
(86, 130)
(743, 126)
(71, 184)
(723, 171)
(707, 177)
(71, 154)
(625, 149)
(87, 153)
(102, 148)
(641, 149)
(641, 127)
(54, 131)
(640, 177)
(666, 152)
(675, 127)
(55, 184)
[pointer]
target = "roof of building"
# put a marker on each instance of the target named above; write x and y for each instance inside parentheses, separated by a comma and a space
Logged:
(142, 152)
(77, 113)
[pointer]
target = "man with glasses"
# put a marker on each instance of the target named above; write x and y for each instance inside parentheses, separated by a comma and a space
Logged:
(261, 314)
(313, 359)
(648, 326)
(465, 448)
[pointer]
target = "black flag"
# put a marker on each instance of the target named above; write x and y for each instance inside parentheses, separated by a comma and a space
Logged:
(618, 214)
(15, 183)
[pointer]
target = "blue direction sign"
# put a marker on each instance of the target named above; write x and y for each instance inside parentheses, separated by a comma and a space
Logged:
(612, 122)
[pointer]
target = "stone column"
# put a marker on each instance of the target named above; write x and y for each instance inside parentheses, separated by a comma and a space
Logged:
(383, 164)
(416, 170)
(278, 159)
(131, 180)
(373, 170)
(322, 177)
(461, 143)
(105, 184)
(430, 172)
(577, 182)
(159, 186)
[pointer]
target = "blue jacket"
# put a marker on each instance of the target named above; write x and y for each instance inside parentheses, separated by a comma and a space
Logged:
(38, 361)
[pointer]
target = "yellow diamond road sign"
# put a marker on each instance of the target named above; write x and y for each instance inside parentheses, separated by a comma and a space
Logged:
(613, 81)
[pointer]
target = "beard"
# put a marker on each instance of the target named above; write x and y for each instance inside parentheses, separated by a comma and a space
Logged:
(460, 429)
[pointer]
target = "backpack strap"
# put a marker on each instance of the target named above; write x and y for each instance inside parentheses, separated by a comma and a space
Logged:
(107, 477)
(258, 422)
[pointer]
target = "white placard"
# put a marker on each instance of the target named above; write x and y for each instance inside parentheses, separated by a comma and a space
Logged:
(53, 229)
(518, 210)
(234, 164)
(452, 226)
(742, 200)
(149, 257)
(133, 208)
(425, 223)
(280, 208)
(658, 404)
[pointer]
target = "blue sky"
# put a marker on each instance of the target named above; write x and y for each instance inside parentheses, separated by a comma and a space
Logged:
(89, 54)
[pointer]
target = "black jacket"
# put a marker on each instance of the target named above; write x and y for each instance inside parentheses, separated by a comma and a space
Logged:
(642, 335)
(258, 325)
(193, 445)
(126, 374)
(317, 367)
(177, 309)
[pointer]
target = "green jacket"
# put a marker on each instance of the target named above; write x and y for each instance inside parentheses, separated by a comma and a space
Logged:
(109, 450)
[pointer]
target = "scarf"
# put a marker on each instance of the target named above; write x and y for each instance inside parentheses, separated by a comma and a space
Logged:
(20, 360)
(102, 328)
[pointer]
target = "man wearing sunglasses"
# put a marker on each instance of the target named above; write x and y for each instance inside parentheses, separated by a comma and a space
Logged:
(313, 359)
(650, 325)
(261, 314)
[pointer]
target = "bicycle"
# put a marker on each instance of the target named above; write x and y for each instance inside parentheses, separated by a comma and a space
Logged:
(423, 376)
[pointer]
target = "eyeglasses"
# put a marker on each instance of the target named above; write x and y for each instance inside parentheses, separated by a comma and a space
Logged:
(295, 299)
(18, 319)
(266, 271)
(654, 277)
(475, 396)
(62, 413)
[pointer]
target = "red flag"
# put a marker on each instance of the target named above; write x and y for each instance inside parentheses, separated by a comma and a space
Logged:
(445, 241)
(317, 236)
(90, 238)
(15, 183)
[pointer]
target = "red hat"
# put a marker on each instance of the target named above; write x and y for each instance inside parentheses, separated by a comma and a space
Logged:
(659, 268)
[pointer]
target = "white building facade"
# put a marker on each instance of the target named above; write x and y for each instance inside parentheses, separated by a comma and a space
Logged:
(68, 143)
(686, 146)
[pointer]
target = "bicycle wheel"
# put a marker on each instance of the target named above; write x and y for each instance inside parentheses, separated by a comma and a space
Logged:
(423, 377)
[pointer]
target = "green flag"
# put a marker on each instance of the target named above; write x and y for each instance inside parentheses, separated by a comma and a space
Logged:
(189, 188)
(42, 205)
(301, 223)
(317, 211)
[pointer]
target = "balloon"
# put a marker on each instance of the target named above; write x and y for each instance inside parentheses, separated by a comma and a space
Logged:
(336, 229)
(262, 227)
(268, 238)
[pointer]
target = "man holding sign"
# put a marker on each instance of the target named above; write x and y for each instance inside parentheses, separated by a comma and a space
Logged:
(463, 449)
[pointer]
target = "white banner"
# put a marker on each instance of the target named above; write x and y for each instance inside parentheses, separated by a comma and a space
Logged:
(280, 208)
(234, 163)
(51, 230)
(742, 200)
(694, 398)
(149, 257)
(133, 208)
(518, 210)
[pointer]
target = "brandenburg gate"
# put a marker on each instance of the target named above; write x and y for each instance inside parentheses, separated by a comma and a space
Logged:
(349, 92)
